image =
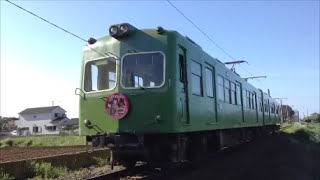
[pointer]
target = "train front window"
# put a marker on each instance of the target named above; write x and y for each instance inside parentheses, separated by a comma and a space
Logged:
(142, 70)
(100, 75)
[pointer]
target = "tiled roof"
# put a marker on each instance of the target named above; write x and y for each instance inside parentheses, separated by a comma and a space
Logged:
(38, 110)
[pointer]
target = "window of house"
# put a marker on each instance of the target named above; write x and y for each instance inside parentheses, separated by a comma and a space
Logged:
(51, 128)
(35, 129)
(227, 91)
(196, 78)
(209, 82)
(233, 93)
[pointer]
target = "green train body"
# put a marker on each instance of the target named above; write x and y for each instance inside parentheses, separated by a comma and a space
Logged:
(172, 85)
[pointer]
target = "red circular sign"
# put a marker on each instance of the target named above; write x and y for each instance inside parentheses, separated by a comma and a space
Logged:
(117, 105)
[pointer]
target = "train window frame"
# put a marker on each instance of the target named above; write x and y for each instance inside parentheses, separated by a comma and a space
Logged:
(238, 94)
(83, 83)
(182, 68)
(199, 75)
(227, 88)
(220, 86)
(211, 89)
(233, 90)
(144, 87)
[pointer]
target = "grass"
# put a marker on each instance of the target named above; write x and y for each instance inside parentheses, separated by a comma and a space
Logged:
(43, 141)
(45, 170)
(305, 133)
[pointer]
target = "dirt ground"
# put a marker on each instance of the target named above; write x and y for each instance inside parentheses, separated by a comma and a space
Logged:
(268, 158)
(20, 153)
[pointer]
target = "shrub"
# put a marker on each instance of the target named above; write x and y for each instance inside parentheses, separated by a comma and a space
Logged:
(4, 176)
(9, 142)
(46, 170)
(28, 143)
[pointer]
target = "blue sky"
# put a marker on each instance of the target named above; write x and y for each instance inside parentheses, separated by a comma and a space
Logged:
(41, 64)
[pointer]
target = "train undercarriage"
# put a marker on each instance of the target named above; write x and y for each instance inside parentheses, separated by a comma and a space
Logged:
(127, 149)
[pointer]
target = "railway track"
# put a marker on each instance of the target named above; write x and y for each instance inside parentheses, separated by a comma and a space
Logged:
(170, 170)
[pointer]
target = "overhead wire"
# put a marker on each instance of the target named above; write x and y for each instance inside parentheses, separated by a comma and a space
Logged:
(55, 25)
(206, 35)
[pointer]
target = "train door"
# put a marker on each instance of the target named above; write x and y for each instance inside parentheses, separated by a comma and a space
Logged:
(183, 85)
(210, 93)
(240, 100)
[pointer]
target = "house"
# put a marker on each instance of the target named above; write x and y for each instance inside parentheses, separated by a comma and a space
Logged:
(40, 120)
(69, 126)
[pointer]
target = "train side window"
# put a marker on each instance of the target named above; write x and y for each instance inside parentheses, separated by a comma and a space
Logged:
(227, 91)
(247, 99)
(220, 88)
(196, 78)
(238, 92)
(260, 105)
(182, 68)
(209, 82)
(254, 100)
(265, 106)
(233, 93)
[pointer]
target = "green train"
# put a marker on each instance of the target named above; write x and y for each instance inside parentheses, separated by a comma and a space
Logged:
(153, 94)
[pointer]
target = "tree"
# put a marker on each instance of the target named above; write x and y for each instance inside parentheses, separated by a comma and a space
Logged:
(7, 123)
(314, 117)
(284, 109)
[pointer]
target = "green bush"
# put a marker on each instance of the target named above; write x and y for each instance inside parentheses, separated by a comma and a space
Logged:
(46, 170)
(4, 176)
(8, 142)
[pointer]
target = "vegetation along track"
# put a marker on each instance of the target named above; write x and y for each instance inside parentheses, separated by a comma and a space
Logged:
(22, 153)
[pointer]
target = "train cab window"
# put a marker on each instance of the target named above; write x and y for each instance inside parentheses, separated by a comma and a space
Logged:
(227, 91)
(277, 109)
(100, 75)
(238, 92)
(209, 82)
(196, 78)
(220, 87)
(143, 70)
(233, 93)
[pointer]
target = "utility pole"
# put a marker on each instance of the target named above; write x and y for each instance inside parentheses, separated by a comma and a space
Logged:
(281, 107)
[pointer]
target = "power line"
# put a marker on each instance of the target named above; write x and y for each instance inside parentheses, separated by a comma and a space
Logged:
(201, 30)
(59, 27)
(206, 35)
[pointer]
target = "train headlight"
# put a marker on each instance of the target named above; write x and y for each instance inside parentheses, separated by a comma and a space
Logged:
(88, 123)
(113, 30)
(124, 28)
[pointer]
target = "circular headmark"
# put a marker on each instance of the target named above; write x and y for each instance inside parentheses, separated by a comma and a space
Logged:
(117, 105)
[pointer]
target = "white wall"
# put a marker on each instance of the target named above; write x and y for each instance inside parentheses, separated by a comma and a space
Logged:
(40, 120)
